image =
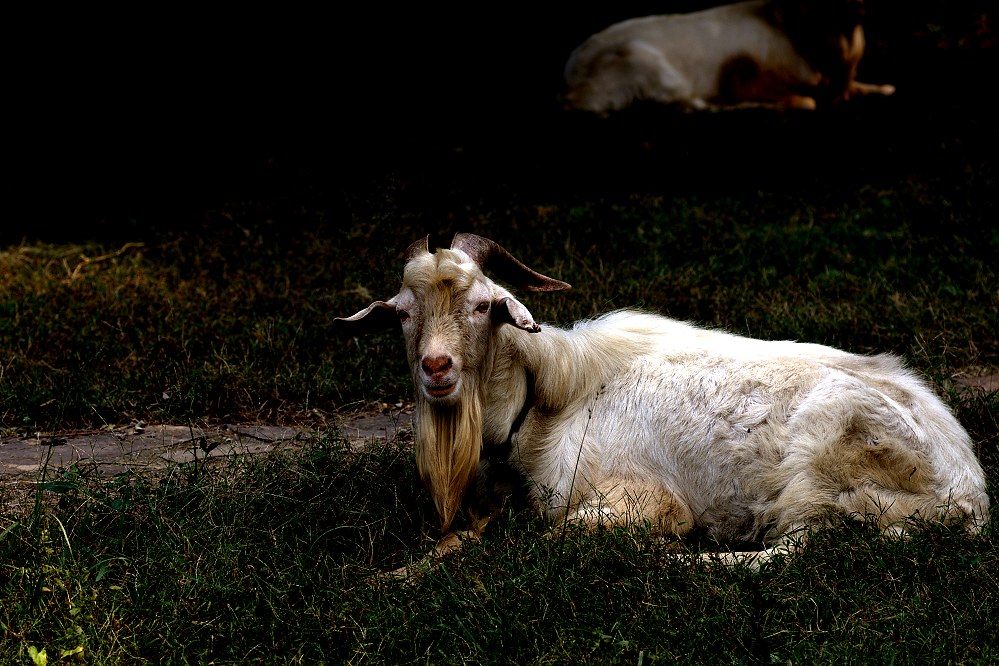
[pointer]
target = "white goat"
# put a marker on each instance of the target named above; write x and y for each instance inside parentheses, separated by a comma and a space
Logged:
(782, 53)
(636, 417)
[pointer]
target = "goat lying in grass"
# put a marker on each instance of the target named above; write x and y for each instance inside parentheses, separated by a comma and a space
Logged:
(781, 53)
(633, 417)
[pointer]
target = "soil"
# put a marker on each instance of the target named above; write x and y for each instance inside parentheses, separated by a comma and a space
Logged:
(154, 448)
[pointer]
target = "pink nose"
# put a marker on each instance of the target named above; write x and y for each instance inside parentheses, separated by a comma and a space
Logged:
(436, 367)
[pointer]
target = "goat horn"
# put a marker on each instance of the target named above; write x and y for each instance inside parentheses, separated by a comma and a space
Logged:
(488, 254)
(418, 247)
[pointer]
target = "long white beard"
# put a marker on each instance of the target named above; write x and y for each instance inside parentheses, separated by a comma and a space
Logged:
(448, 443)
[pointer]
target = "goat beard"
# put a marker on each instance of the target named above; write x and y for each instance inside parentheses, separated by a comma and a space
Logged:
(448, 443)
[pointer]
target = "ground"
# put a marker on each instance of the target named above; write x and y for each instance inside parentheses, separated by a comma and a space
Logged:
(156, 448)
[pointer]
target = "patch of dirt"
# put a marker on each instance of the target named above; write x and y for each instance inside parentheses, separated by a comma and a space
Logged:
(154, 448)
(983, 384)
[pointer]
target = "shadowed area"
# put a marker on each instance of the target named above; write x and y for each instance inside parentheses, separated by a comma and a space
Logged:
(150, 122)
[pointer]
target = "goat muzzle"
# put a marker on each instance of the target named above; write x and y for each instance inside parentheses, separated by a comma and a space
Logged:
(438, 381)
(437, 366)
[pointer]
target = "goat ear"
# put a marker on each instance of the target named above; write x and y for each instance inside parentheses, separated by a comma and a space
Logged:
(376, 317)
(512, 311)
(488, 254)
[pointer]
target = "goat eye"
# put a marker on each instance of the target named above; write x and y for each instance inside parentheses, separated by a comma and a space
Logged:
(482, 307)
(402, 314)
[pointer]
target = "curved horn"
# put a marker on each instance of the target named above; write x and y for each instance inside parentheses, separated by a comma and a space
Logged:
(421, 246)
(377, 316)
(489, 254)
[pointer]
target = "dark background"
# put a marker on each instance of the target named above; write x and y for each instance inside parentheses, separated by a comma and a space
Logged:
(128, 122)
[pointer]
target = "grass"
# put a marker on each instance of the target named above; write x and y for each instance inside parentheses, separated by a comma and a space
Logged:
(881, 238)
(232, 320)
(275, 559)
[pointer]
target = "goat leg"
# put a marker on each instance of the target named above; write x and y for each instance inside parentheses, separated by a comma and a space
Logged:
(448, 544)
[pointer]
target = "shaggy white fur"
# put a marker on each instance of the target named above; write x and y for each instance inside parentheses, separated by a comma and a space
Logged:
(634, 417)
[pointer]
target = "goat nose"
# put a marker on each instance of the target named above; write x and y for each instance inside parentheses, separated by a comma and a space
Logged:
(437, 365)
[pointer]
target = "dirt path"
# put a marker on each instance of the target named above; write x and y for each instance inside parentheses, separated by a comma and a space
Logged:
(155, 447)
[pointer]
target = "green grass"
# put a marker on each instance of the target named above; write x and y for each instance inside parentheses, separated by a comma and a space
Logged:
(232, 320)
(275, 559)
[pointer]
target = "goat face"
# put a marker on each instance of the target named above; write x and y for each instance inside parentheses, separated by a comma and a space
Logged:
(445, 307)
(450, 311)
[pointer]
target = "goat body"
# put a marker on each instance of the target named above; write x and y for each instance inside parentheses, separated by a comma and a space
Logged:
(781, 53)
(634, 417)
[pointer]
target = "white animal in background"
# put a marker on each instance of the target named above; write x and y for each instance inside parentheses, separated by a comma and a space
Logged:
(780, 53)
(634, 417)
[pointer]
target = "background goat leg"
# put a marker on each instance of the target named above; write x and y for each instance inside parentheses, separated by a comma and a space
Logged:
(858, 88)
